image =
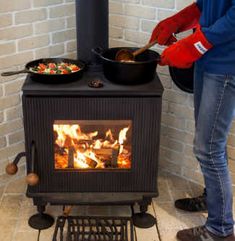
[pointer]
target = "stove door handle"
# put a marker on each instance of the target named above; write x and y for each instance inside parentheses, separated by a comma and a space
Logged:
(32, 178)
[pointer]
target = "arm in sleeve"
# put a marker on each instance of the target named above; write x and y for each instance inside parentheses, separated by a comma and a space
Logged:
(223, 30)
(199, 4)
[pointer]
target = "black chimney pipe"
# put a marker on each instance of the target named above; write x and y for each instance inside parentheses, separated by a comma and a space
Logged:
(92, 28)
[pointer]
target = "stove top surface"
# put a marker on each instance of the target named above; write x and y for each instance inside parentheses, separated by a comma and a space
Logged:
(81, 87)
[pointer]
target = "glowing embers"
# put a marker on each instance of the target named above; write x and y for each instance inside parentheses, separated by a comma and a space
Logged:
(92, 144)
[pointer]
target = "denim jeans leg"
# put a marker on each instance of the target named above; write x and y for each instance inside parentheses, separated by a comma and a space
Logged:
(198, 86)
(215, 115)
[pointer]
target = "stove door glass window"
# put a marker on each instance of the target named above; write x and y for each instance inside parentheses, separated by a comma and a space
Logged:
(92, 144)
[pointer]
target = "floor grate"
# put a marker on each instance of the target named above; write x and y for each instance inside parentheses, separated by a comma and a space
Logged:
(77, 228)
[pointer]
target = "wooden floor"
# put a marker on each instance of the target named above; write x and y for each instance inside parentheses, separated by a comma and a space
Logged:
(15, 209)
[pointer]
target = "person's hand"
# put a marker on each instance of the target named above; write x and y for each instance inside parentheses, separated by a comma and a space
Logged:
(186, 51)
(185, 19)
(163, 33)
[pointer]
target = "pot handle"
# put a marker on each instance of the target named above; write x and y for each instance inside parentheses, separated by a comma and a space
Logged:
(158, 59)
(98, 51)
(15, 72)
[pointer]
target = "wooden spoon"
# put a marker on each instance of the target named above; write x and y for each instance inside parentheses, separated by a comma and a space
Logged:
(125, 55)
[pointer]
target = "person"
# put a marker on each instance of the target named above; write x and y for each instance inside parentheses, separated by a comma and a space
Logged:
(212, 48)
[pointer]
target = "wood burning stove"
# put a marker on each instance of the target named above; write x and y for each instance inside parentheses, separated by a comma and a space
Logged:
(92, 143)
(89, 145)
(92, 140)
(86, 145)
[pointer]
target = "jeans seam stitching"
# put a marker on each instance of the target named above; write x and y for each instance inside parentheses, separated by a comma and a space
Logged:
(212, 135)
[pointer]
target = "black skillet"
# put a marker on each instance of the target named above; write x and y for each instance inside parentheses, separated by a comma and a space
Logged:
(50, 78)
(183, 78)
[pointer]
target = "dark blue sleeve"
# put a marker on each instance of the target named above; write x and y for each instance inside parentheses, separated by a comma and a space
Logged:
(223, 30)
(199, 4)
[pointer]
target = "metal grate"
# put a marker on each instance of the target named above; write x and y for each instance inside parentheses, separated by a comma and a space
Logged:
(93, 229)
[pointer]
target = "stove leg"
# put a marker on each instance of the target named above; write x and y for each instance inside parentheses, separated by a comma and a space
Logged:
(144, 219)
(41, 220)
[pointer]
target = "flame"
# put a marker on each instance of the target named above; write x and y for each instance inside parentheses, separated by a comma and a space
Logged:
(72, 132)
(109, 135)
(122, 135)
(89, 150)
(98, 144)
(80, 160)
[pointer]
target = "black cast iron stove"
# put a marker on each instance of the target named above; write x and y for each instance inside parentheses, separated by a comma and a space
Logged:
(95, 119)
(87, 145)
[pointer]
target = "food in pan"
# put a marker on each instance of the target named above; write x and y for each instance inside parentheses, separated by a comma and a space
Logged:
(55, 68)
(127, 61)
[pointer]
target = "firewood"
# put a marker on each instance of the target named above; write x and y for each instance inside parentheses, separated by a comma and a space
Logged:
(115, 153)
(91, 163)
(89, 142)
(68, 141)
(71, 157)
(103, 151)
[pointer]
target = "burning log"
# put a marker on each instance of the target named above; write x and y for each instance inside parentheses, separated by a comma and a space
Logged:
(109, 155)
(82, 145)
(91, 163)
(75, 149)
(68, 141)
(114, 161)
(60, 150)
(83, 142)
(103, 151)
(71, 157)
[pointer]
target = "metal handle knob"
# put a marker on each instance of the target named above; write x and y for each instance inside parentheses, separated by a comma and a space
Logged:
(11, 168)
(32, 179)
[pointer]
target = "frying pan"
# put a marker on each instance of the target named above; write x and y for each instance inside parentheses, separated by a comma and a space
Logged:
(183, 78)
(50, 78)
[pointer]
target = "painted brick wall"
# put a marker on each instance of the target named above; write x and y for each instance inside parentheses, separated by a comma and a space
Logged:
(32, 29)
(29, 29)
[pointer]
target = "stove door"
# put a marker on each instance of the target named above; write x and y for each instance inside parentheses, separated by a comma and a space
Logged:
(92, 145)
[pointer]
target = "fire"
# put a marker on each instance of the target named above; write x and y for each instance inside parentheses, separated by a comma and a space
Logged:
(76, 149)
(109, 135)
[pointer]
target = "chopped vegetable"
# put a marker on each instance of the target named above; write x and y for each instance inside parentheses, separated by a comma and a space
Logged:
(55, 68)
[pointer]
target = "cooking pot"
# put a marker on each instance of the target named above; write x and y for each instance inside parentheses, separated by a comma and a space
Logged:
(142, 70)
(183, 78)
(50, 78)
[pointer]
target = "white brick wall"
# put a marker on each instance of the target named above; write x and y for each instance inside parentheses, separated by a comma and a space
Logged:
(31, 29)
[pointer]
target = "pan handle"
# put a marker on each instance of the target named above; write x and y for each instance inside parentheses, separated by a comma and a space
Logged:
(15, 72)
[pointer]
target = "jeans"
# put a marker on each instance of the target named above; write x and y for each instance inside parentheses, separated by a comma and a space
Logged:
(214, 109)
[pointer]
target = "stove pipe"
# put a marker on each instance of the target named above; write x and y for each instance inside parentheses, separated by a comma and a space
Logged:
(92, 28)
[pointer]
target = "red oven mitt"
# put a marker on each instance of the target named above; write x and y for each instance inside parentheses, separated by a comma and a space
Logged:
(185, 19)
(186, 51)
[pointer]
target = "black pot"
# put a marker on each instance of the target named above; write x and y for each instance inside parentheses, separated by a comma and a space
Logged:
(183, 78)
(141, 71)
